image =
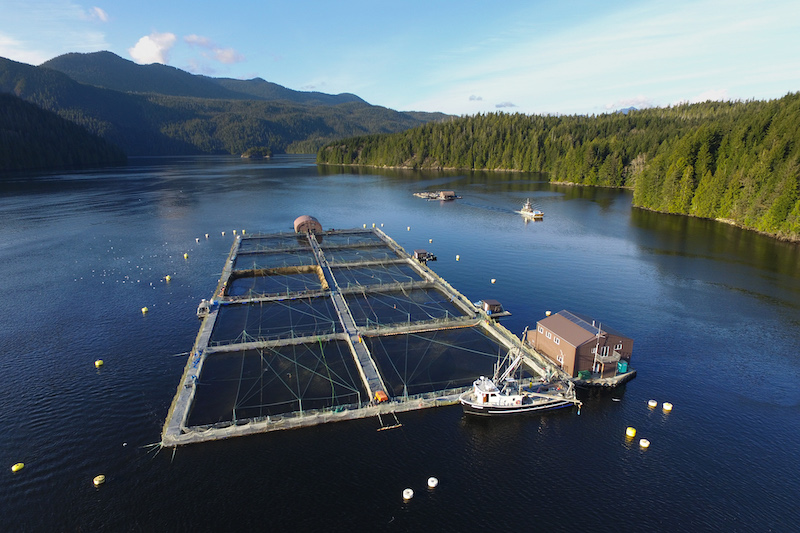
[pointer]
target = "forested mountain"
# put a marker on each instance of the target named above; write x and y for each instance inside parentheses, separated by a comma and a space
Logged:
(160, 110)
(735, 161)
(108, 70)
(32, 138)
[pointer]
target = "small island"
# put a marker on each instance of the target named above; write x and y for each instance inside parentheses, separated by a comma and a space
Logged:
(259, 152)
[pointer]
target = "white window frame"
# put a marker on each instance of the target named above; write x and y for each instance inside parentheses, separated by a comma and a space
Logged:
(557, 340)
(541, 329)
(548, 335)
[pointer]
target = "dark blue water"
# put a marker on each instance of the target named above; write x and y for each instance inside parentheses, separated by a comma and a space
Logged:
(714, 311)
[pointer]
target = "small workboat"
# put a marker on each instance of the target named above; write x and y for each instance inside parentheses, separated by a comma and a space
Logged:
(528, 211)
(504, 394)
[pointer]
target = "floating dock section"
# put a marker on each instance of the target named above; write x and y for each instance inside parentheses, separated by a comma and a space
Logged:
(316, 327)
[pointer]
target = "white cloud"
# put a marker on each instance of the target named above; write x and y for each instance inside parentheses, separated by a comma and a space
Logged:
(153, 48)
(96, 13)
(16, 51)
(227, 56)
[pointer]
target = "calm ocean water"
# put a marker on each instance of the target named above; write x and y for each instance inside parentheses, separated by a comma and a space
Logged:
(714, 311)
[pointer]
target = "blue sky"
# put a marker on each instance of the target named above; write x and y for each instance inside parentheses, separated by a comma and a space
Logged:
(464, 57)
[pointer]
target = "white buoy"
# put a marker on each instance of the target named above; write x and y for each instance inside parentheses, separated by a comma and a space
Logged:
(432, 482)
(458, 258)
(630, 432)
(652, 404)
(667, 406)
(547, 313)
(223, 233)
(644, 443)
(206, 235)
(493, 280)
(365, 225)
(408, 228)
(99, 480)
(381, 224)
(430, 240)
(197, 239)
(408, 494)
(98, 363)
(17, 467)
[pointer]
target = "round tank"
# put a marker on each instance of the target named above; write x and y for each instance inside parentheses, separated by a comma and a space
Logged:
(306, 223)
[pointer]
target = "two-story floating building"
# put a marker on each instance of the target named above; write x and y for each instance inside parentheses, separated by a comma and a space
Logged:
(581, 346)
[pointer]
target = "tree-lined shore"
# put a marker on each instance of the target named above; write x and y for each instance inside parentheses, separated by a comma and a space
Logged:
(733, 161)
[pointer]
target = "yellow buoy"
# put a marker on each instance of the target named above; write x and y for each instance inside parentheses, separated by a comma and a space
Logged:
(409, 228)
(365, 224)
(458, 258)
(98, 363)
(242, 232)
(644, 443)
(168, 277)
(652, 404)
(493, 280)
(667, 406)
(99, 480)
(630, 432)
(206, 235)
(373, 224)
(234, 232)
(144, 310)
(17, 467)
(433, 482)
(408, 494)
(186, 256)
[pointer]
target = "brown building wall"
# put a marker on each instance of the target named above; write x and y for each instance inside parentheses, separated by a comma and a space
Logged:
(549, 348)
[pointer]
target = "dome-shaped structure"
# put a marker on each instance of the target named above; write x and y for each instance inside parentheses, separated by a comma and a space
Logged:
(306, 224)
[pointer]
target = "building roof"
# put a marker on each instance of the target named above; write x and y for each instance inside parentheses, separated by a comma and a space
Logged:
(574, 328)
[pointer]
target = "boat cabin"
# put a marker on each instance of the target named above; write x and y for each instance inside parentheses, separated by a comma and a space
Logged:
(447, 195)
(423, 256)
(581, 345)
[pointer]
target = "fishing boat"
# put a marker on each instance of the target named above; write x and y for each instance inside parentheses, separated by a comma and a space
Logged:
(528, 211)
(504, 394)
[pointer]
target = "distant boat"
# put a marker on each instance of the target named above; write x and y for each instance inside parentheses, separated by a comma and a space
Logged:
(528, 211)
(504, 395)
(438, 195)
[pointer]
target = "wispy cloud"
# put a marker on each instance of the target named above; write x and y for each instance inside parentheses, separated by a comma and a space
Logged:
(502, 105)
(213, 51)
(473, 98)
(96, 13)
(153, 48)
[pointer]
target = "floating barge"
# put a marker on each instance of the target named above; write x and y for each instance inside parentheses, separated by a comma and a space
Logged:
(320, 326)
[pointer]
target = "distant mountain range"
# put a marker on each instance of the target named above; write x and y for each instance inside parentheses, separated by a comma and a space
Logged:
(160, 110)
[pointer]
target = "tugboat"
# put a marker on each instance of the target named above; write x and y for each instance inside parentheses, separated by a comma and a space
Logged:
(529, 212)
(504, 394)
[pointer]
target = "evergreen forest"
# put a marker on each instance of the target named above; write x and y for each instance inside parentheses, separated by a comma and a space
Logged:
(733, 161)
(32, 138)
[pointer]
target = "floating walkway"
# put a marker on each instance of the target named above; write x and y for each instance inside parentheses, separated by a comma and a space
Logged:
(310, 328)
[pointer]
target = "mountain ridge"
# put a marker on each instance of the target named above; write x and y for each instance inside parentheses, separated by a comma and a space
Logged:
(194, 115)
